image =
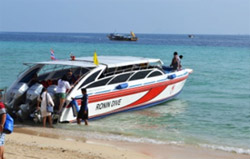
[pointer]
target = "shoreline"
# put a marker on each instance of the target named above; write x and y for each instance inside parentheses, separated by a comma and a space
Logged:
(31, 142)
(25, 143)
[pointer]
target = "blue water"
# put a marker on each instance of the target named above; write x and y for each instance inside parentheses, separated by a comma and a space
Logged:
(212, 111)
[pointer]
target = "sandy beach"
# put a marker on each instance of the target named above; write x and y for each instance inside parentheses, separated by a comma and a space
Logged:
(45, 143)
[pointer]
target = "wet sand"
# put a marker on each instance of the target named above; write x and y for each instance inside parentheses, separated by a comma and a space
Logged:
(26, 143)
(45, 143)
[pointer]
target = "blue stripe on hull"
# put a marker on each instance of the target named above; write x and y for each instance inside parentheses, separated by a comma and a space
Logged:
(139, 107)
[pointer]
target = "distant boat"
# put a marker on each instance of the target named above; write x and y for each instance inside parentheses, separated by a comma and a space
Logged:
(191, 36)
(122, 37)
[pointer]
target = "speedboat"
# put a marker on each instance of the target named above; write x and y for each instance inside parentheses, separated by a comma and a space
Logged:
(121, 37)
(116, 84)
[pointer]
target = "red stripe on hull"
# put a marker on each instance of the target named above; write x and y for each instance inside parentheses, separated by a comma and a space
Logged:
(154, 90)
(115, 94)
(121, 109)
(150, 95)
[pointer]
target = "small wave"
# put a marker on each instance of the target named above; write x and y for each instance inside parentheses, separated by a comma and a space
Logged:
(227, 148)
(114, 137)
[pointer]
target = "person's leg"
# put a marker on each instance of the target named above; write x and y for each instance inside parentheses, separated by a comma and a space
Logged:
(78, 121)
(62, 100)
(44, 121)
(2, 138)
(1, 152)
(50, 121)
(86, 121)
(57, 101)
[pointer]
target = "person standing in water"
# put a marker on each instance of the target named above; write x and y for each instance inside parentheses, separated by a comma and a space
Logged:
(83, 113)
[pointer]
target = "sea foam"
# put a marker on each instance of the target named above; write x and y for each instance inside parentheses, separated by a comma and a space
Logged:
(115, 137)
(227, 148)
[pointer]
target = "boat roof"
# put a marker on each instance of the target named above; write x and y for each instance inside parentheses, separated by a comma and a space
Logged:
(109, 61)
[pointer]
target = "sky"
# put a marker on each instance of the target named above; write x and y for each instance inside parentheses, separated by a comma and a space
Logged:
(123, 16)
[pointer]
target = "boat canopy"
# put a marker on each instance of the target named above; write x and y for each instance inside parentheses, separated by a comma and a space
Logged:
(117, 61)
(66, 62)
(109, 61)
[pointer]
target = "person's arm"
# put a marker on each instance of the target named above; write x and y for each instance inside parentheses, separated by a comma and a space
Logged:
(50, 100)
(38, 102)
(74, 79)
(3, 118)
(67, 85)
(178, 63)
(172, 63)
(86, 103)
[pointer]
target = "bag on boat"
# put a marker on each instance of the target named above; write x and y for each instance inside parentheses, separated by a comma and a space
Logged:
(8, 125)
(50, 108)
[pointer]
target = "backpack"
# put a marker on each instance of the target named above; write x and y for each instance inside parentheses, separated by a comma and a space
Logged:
(8, 125)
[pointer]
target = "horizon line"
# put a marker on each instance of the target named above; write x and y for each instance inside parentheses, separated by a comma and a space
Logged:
(120, 32)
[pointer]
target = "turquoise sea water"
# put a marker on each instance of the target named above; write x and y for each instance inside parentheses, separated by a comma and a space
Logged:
(212, 111)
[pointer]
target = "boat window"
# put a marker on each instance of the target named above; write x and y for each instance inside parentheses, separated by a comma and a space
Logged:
(120, 78)
(47, 69)
(141, 66)
(155, 73)
(116, 70)
(155, 64)
(80, 71)
(59, 74)
(77, 72)
(91, 78)
(43, 76)
(29, 76)
(124, 69)
(99, 83)
(55, 72)
(109, 71)
(139, 75)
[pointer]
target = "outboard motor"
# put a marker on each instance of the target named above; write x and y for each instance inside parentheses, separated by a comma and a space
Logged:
(31, 101)
(15, 96)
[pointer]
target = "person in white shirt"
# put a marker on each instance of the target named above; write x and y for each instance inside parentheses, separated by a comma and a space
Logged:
(45, 99)
(61, 89)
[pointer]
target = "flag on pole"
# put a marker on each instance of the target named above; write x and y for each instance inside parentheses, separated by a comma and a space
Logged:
(52, 55)
(95, 59)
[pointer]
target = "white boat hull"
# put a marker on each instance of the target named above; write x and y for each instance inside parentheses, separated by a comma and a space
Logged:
(115, 101)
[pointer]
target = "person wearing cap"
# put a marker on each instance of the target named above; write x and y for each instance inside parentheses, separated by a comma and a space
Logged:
(2, 122)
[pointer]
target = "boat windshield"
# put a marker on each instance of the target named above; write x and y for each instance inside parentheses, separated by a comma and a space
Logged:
(54, 72)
